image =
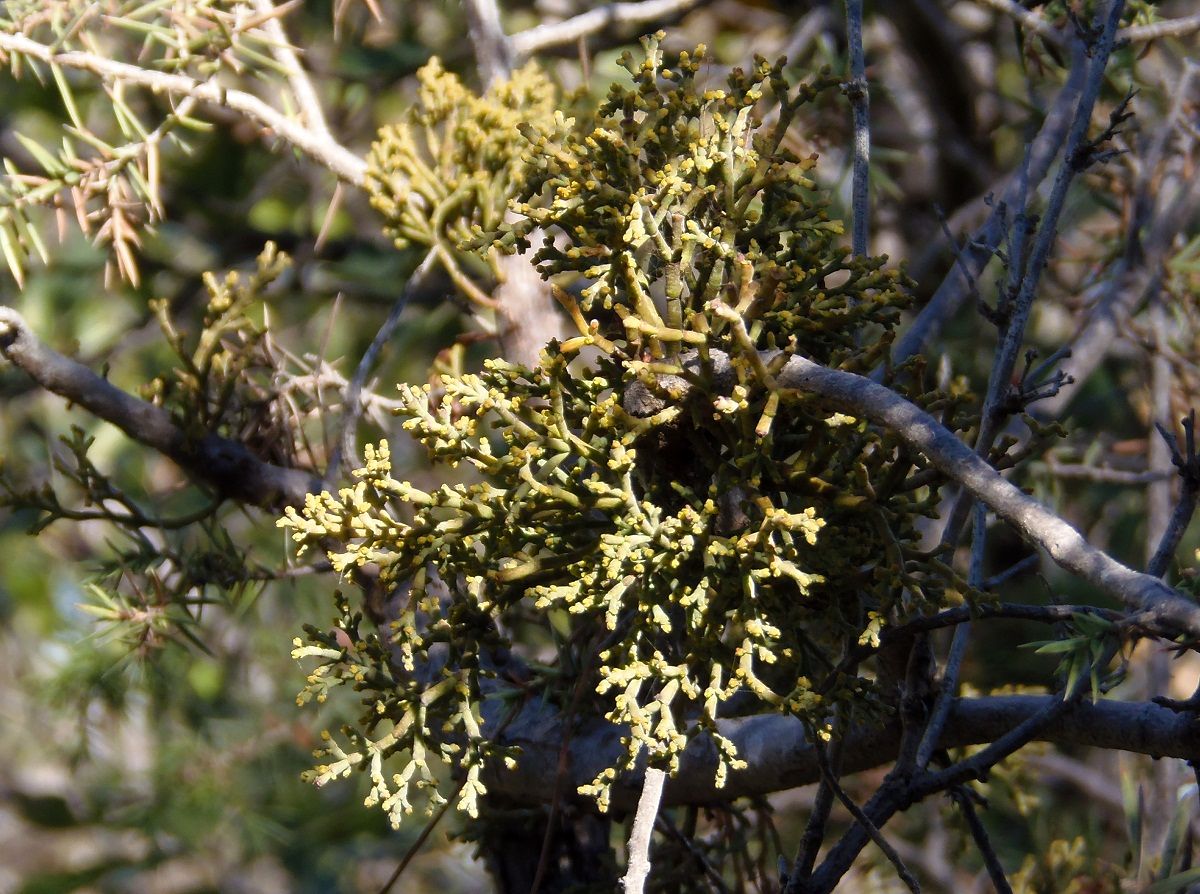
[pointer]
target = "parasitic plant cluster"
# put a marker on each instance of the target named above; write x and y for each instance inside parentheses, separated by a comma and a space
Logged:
(700, 540)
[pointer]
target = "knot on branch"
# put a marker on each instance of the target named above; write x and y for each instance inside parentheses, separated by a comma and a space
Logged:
(1035, 383)
(855, 88)
(1092, 152)
(12, 328)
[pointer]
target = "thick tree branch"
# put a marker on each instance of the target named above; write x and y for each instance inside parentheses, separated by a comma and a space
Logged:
(779, 755)
(1181, 27)
(1034, 522)
(225, 465)
(525, 310)
(899, 791)
(493, 50)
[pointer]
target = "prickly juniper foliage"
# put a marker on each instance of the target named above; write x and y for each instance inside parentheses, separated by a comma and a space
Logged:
(649, 487)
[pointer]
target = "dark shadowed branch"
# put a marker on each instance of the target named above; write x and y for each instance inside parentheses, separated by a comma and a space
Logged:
(1077, 155)
(860, 104)
(901, 790)
(1188, 464)
(863, 820)
(345, 449)
(1164, 203)
(962, 796)
(779, 755)
(980, 248)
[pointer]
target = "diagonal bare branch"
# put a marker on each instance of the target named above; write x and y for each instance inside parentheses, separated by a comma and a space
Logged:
(321, 148)
(1043, 149)
(223, 464)
(1035, 523)
(285, 54)
(1181, 27)
(643, 825)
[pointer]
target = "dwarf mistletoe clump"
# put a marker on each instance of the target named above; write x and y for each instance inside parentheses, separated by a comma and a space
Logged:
(705, 541)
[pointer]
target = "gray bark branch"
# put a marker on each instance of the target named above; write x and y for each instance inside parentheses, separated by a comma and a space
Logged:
(223, 464)
(1036, 524)
(780, 757)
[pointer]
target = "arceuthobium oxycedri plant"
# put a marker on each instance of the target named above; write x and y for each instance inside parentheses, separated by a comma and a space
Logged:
(452, 166)
(649, 486)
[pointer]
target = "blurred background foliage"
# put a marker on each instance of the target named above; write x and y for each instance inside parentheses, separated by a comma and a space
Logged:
(132, 767)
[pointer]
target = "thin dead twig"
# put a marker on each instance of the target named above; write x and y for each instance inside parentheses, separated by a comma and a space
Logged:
(864, 821)
(962, 796)
(1104, 475)
(643, 826)
(542, 37)
(958, 650)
